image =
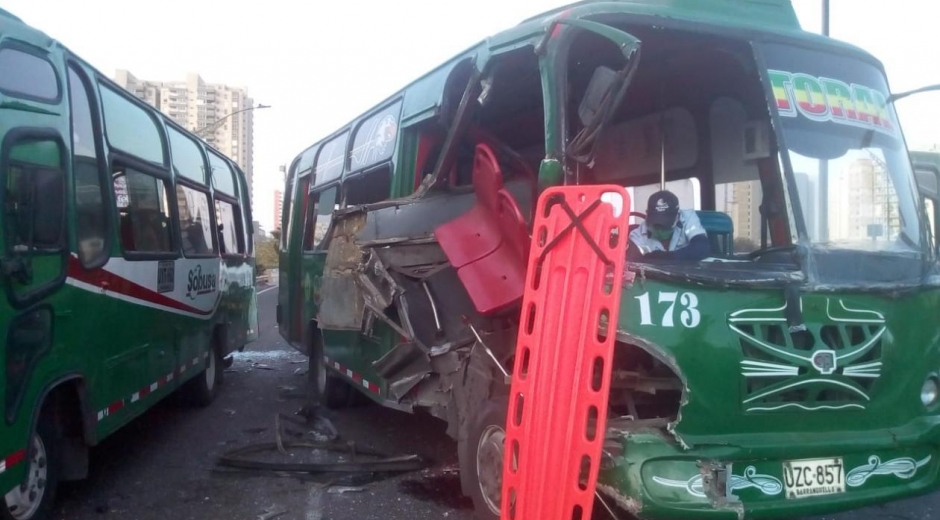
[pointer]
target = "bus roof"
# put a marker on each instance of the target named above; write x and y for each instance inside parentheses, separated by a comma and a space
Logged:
(772, 17)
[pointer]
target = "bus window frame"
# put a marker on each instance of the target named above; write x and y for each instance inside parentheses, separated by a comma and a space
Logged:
(159, 123)
(146, 167)
(287, 206)
(245, 203)
(189, 183)
(363, 174)
(340, 200)
(354, 133)
(43, 55)
(107, 188)
(239, 226)
(344, 132)
(12, 138)
(203, 151)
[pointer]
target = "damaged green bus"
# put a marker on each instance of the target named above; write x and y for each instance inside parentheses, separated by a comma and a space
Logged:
(794, 371)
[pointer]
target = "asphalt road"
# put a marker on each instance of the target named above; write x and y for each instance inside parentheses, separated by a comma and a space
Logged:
(162, 465)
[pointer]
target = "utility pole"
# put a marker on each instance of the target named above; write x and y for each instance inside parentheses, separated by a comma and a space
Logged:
(825, 17)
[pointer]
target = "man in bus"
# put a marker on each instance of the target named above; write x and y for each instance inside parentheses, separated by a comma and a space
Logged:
(669, 233)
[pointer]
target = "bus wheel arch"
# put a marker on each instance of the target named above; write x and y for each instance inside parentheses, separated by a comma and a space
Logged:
(333, 391)
(57, 449)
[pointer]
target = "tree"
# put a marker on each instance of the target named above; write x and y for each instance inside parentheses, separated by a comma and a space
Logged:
(266, 255)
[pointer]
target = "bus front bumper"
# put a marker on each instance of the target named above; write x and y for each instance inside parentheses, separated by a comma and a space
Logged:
(654, 477)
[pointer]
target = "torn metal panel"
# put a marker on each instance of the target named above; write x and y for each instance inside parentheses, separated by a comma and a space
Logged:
(628, 504)
(344, 308)
(376, 284)
(398, 359)
(417, 218)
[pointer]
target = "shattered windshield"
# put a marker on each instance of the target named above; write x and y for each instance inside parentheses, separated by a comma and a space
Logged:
(852, 172)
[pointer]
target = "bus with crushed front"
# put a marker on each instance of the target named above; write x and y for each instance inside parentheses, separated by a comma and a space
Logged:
(794, 371)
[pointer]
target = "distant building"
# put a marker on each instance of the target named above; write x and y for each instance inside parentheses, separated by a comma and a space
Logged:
(197, 105)
(741, 201)
(278, 206)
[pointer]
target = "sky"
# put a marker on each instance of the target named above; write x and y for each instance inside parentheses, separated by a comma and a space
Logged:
(321, 63)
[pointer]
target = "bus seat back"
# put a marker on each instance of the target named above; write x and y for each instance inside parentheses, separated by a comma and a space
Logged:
(488, 244)
(720, 229)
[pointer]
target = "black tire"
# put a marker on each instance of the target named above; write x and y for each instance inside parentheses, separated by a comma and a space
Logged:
(335, 393)
(204, 388)
(484, 444)
(37, 494)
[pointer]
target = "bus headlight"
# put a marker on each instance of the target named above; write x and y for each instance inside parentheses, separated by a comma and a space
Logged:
(930, 391)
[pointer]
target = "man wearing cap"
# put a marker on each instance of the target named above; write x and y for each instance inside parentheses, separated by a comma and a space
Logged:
(669, 233)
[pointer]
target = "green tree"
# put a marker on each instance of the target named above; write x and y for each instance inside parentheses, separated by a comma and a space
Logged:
(266, 255)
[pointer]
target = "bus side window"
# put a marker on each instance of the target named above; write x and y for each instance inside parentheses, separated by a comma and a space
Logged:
(231, 241)
(372, 186)
(91, 217)
(143, 211)
(320, 210)
(286, 209)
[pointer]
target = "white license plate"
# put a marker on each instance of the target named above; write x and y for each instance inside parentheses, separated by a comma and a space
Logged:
(813, 478)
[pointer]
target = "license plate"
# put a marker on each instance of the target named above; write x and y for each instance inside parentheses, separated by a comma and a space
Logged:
(814, 477)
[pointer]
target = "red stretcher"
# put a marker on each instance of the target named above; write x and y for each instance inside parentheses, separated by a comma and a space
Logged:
(561, 378)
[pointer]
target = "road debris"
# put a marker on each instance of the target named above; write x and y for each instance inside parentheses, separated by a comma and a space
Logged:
(341, 490)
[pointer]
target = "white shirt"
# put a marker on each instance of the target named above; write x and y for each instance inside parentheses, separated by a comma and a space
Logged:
(688, 227)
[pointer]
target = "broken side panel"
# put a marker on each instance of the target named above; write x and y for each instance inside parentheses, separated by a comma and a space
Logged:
(561, 379)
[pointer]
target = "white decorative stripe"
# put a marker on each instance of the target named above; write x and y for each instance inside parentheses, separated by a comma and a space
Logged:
(742, 311)
(135, 397)
(766, 345)
(864, 347)
(137, 301)
(365, 384)
(349, 372)
(766, 484)
(101, 415)
(804, 407)
(879, 320)
(903, 468)
(3, 466)
(154, 387)
(169, 377)
(806, 382)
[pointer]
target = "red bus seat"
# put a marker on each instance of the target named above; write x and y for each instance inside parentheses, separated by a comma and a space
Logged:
(488, 244)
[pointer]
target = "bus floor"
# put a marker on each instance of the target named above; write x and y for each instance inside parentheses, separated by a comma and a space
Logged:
(162, 465)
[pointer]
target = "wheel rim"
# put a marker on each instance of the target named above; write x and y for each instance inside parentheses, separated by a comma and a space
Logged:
(210, 371)
(23, 501)
(490, 466)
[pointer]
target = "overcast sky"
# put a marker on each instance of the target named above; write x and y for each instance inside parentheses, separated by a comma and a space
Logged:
(321, 63)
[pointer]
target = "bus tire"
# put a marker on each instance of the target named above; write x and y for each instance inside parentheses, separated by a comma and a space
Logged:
(334, 391)
(480, 454)
(35, 497)
(204, 388)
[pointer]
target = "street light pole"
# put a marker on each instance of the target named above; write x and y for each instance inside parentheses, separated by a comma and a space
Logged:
(825, 17)
(200, 132)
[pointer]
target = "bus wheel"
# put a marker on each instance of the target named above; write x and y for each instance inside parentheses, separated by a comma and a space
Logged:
(204, 388)
(34, 498)
(334, 392)
(481, 458)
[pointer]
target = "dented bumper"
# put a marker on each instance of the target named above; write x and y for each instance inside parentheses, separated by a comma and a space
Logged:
(656, 478)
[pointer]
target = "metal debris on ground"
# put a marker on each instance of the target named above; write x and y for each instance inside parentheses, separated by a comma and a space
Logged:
(341, 490)
(302, 371)
(271, 515)
(381, 463)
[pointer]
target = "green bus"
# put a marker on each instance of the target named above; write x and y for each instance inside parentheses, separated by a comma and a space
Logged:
(126, 261)
(795, 371)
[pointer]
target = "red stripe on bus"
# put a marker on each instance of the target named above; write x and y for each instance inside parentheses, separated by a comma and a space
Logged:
(114, 283)
(115, 406)
(356, 377)
(14, 459)
(144, 391)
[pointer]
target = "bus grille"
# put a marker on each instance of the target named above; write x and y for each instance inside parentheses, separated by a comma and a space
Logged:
(832, 364)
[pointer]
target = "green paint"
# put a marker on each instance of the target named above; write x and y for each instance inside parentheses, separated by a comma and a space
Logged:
(117, 350)
(755, 396)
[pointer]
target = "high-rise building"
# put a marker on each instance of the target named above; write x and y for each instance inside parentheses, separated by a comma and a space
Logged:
(741, 201)
(278, 206)
(205, 109)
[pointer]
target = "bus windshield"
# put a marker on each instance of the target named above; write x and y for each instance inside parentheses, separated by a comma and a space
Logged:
(848, 159)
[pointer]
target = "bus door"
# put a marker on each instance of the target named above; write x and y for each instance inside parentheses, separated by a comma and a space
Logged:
(33, 253)
(299, 284)
(321, 202)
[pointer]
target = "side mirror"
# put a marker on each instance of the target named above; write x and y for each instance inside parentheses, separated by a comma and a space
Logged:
(601, 85)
